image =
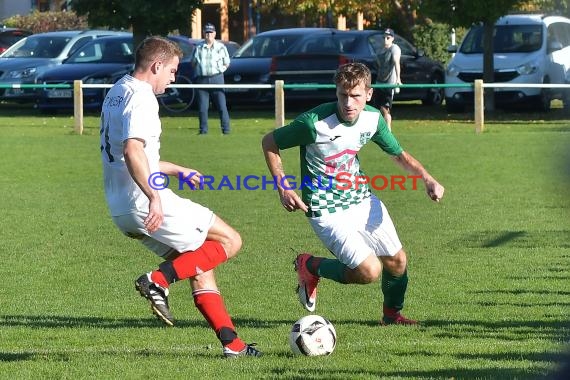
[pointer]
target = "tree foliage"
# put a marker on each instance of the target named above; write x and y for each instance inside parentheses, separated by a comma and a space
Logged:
(143, 17)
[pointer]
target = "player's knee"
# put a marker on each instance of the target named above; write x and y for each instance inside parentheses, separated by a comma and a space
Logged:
(233, 243)
(369, 272)
(396, 264)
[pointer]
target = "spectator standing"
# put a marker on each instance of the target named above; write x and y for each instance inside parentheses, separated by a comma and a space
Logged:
(388, 73)
(210, 59)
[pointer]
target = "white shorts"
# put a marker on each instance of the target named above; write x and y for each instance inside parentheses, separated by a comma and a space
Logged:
(185, 226)
(354, 234)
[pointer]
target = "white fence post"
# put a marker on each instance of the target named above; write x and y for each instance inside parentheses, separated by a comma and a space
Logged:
(279, 104)
(479, 106)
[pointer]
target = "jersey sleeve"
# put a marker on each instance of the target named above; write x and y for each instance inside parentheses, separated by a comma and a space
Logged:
(386, 140)
(300, 131)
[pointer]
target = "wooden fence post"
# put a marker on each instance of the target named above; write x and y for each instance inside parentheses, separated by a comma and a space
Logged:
(479, 106)
(78, 106)
(279, 104)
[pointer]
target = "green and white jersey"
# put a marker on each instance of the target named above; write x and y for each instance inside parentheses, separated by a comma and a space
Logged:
(328, 150)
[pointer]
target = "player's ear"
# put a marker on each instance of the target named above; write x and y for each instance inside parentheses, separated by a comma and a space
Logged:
(369, 95)
(156, 66)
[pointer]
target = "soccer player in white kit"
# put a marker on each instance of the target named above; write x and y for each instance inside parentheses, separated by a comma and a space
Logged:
(352, 223)
(190, 238)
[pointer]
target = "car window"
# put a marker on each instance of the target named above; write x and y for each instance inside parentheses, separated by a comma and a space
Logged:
(506, 39)
(326, 43)
(266, 46)
(104, 52)
(39, 47)
(406, 47)
(79, 43)
(560, 31)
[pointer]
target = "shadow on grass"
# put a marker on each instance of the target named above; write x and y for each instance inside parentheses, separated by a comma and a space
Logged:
(514, 239)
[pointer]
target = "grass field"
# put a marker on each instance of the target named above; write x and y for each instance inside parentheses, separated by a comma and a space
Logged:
(489, 265)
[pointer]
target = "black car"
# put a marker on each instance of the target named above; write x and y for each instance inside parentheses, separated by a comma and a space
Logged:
(251, 63)
(9, 36)
(315, 58)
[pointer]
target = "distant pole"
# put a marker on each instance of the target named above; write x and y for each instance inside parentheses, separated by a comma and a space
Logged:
(453, 39)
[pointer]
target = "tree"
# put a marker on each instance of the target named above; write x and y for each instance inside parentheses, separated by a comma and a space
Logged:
(467, 12)
(143, 17)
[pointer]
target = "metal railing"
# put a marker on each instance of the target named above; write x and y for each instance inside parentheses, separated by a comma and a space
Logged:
(279, 87)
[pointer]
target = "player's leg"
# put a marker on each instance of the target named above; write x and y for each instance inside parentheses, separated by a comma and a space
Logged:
(219, 99)
(394, 286)
(210, 303)
(203, 105)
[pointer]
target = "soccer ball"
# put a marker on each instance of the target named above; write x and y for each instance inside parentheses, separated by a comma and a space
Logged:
(312, 335)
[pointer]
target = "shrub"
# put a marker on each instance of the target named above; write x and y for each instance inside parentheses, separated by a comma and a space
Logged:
(39, 22)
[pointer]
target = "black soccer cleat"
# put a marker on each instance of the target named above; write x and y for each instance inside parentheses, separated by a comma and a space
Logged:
(158, 297)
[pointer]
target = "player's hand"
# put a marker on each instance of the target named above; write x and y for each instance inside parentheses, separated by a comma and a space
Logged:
(291, 201)
(434, 190)
(194, 176)
(155, 217)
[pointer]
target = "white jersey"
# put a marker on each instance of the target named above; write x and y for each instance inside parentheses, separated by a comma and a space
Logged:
(130, 110)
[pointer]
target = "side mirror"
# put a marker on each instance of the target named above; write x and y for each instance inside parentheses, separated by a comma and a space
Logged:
(420, 53)
(452, 49)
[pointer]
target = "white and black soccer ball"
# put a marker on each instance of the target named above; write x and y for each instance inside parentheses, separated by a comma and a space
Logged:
(312, 335)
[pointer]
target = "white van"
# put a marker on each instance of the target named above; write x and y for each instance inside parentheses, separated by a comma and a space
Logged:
(531, 49)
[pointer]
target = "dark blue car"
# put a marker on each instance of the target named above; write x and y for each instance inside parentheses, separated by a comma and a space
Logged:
(104, 61)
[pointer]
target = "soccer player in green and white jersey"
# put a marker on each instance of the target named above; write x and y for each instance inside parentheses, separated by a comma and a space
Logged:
(350, 221)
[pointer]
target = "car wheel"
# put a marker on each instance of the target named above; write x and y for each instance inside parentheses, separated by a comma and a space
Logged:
(177, 100)
(434, 96)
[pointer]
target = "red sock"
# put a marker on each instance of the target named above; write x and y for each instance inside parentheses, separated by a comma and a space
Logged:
(191, 263)
(211, 305)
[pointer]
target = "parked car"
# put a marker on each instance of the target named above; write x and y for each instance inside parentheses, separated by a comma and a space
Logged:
(9, 36)
(28, 58)
(528, 49)
(104, 61)
(315, 58)
(251, 63)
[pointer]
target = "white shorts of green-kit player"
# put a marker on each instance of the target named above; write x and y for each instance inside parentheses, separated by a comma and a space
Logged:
(185, 226)
(355, 233)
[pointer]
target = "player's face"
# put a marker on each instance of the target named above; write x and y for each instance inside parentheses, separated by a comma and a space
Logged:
(166, 72)
(351, 101)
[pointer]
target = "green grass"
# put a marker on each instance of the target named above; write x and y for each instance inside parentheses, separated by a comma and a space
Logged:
(489, 276)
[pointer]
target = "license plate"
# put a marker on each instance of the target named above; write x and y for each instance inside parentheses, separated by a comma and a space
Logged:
(60, 94)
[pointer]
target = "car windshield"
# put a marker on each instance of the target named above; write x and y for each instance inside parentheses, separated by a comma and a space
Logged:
(103, 51)
(38, 47)
(326, 43)
(266, 46)
(506, 39)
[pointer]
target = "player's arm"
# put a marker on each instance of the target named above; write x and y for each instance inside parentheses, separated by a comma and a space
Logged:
(396, 56)
(289, 198)
(178, 171)
(409, 163)
(137, 163)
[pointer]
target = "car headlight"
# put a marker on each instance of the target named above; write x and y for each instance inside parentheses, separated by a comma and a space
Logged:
(527, 69)
(21, 74)
(452, 70)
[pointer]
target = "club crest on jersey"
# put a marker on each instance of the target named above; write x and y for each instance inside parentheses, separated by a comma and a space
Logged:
(364, 137)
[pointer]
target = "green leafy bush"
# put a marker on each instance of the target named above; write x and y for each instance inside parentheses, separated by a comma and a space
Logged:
(434, 39)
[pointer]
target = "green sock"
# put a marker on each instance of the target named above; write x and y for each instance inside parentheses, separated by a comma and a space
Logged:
(394, 289)
(330, 268)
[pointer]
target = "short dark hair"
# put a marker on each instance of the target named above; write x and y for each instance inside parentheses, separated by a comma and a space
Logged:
(153, 49)
(352, 74)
